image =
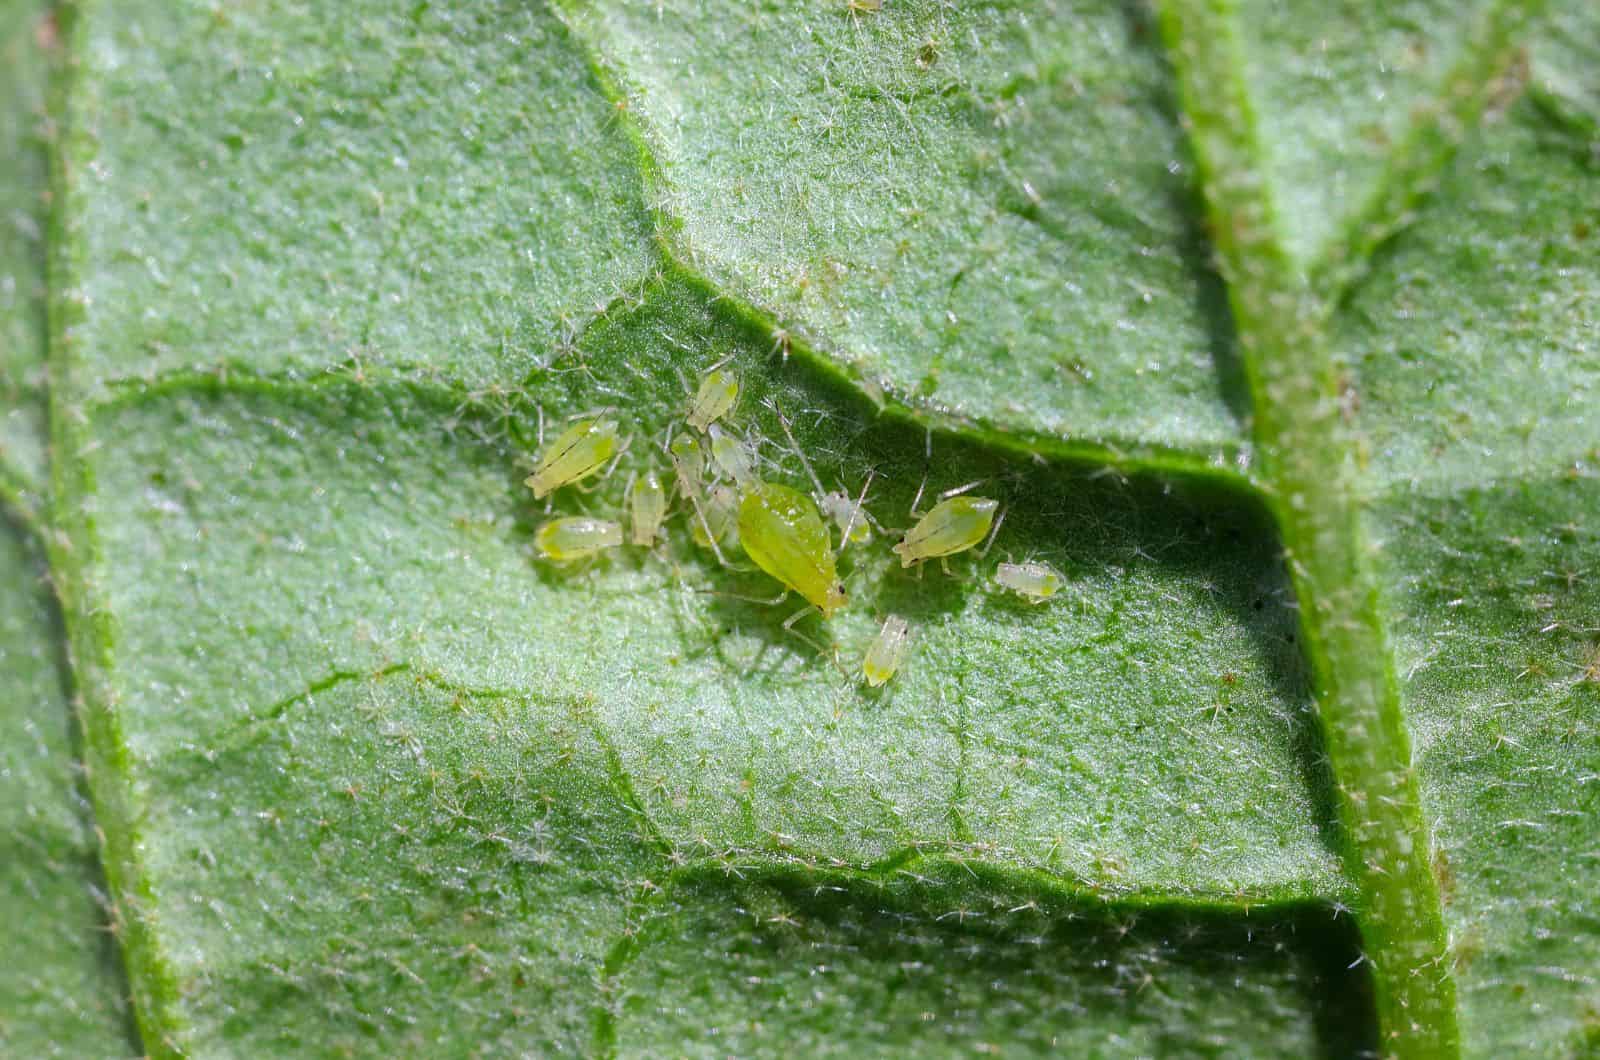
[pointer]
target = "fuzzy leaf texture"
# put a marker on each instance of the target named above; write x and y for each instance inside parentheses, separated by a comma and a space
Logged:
(1271, 324)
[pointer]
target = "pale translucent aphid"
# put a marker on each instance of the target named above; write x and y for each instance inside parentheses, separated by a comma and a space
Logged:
(689, 463)
(647, 507)
(887, 651)
(1037, 582)
(576, 537)
(718, 391)
(733, 456)
(715, 520)
(954, 525)
(581, 450)
(850, 516)
(785, 536)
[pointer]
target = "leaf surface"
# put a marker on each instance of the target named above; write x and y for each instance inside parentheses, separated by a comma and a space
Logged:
(373, 777)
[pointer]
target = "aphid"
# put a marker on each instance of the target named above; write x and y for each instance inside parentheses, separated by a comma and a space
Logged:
(954, 525)
(783, 533)
(715, 518)
(576, 537)
(581, 450)
(647, 505)
(718, 391)
(886, 652)
(849, 515)
(732, 454)
(689, 462)
(1037, 582)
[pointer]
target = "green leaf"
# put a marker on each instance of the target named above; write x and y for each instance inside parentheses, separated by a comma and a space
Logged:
(1292, 385)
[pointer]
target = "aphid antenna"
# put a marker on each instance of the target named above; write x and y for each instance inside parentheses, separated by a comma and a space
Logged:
(592, 414)
(718, 364)
(541, 426)
(783, 421)
(855, 510)
(959, 490)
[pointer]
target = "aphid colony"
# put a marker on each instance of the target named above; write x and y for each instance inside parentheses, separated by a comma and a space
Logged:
(782, 530)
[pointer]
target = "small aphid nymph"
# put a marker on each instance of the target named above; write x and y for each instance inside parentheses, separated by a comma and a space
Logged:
(848, 515)
(581, 450)
(715, 517)
(954, 525)
(647, 505)
(576, 537)
(1035, 582)
(887, 651)
(689, 462)
(718, 391)
(732, 455)
(785, 536)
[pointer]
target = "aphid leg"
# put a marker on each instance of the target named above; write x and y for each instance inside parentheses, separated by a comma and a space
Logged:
(711, 539)
(795, 446)
(541, 426)
(994, 532)
(944, 565)
(764, 601)
(720, 363)
(917, 500)
(831, 653)
(850, 524)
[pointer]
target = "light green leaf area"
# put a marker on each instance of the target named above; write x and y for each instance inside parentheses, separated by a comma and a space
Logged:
(24, 36)
(1475, 345)
(415, 190)
(1336, 84)
(61, 982)
(377, 778)
(964, 204)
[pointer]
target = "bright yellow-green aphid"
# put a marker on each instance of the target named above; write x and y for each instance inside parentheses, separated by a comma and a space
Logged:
(647, 506)
(886, 652)
(1037, 582)
(689, 462)
(576, 537)
(782, 531)
(954, 525)
(581, 450)
(733, 456)
(715, 517)
(718, 391)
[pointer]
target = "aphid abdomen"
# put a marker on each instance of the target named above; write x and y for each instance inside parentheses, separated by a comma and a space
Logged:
(953, 525)
(886, 652)
(576, 537)
(782, 532)
(732, 455)
(581, 450)
(716, 395)
(647, 503)
(1036, 581)
(689, 463)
